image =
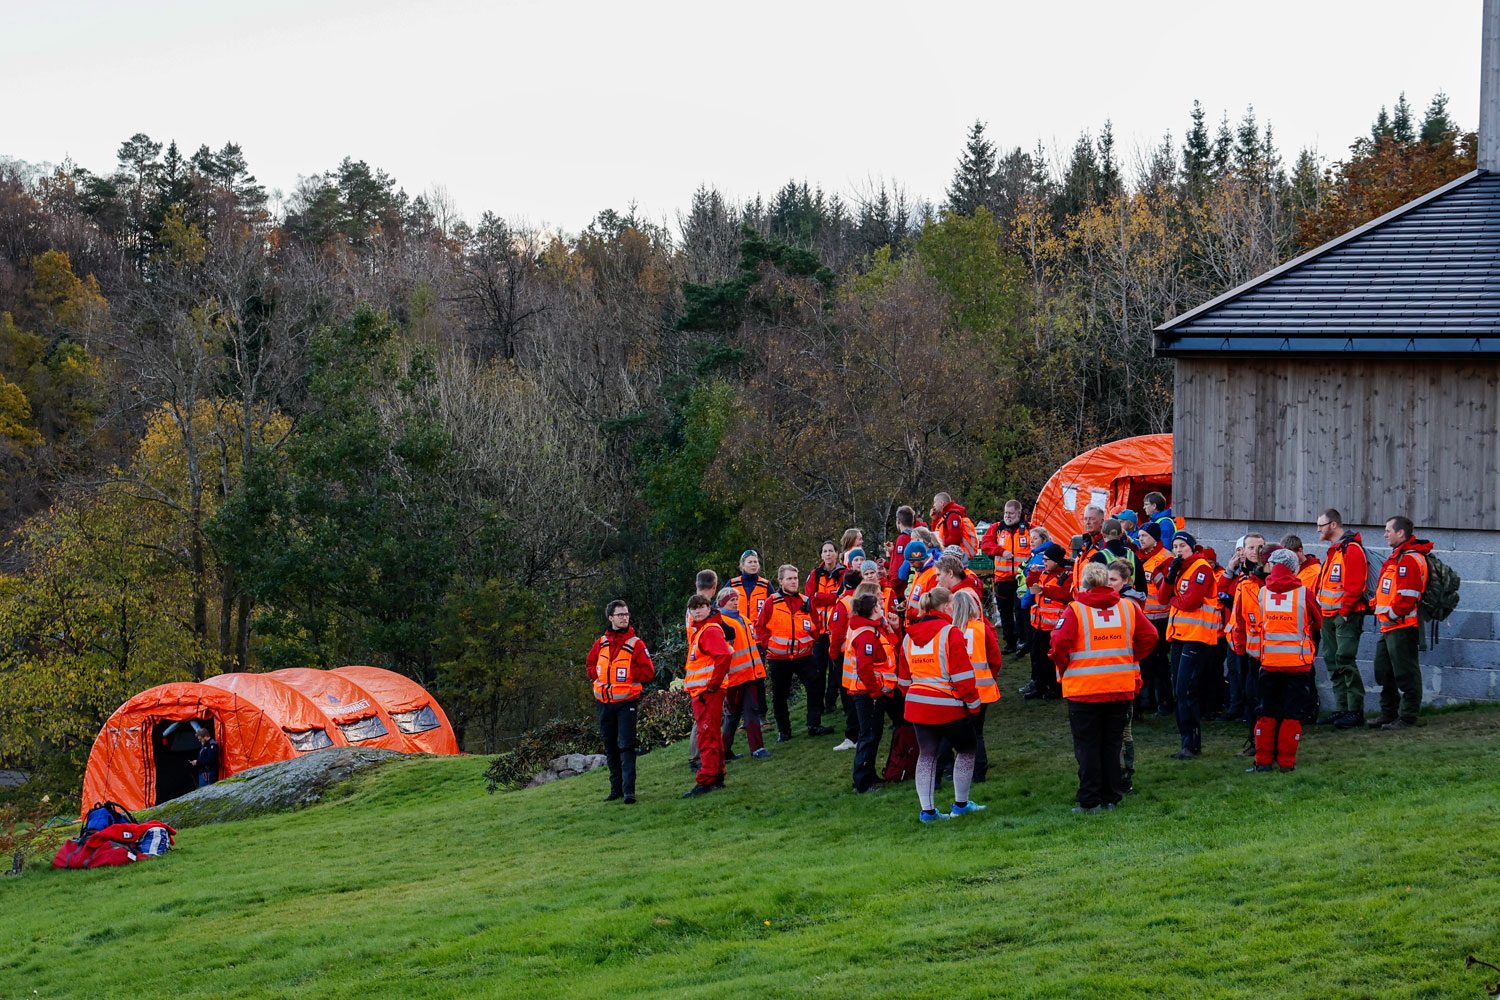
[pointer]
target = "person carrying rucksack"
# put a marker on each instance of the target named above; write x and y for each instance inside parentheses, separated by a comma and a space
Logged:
(1403, 578)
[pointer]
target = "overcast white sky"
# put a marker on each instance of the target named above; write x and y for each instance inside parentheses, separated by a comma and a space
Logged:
(551, 111)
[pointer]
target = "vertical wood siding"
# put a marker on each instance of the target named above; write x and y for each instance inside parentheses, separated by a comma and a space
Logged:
(1280, 440)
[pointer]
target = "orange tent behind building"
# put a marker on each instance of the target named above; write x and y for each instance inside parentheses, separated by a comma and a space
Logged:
(304, 723)
(1116, 476)
(143, 754)
(357, 713)
(418, 717)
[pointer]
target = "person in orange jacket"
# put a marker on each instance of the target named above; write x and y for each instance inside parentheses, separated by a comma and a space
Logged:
(1051, 591)
(948, 520)
(1287, 617)
(941, 701)
(826, 580)
(1009, 542)
(985, 656)
(709, 657)
(747, 672)
(618, 664)
(868, 660)
(1193, 627)
(1097, 649)
(1403, 578)
(1309, 567)
(785, 633)
(1341, 596)
(953, 574)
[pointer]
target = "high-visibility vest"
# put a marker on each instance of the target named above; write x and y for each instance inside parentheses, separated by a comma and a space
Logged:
(925, 581)
(745, 665)
(752, 600)
(1331, 581)
(1392, 585)
(969, 538)
(791, 629)
(1309, 574)
(885, 675)
(612, 671)
(1046, 612)
(1084, 555)
(1247, 596)
(984, 670)
(1015, 550)
(1103, 657)
(1285, 641)
(824, 585)
(1205, 623)
(931, 681)
(700, 666)
(1156, 606)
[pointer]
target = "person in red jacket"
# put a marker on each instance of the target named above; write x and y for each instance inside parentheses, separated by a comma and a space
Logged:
(784, 630)
(1403, 578)
(1341, 596)
(826, 580)
(906, 522)
(1009, 542)
(618, 664)
(948, 520)
(953, 575)
(1193, 628)
(941, 701)
(1097, 649)
(867, 644)
(1287, 616)
(709, 658)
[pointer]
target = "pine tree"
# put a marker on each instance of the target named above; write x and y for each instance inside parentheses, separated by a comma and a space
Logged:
(1109, 171)
(1197, 153)
(1382, 127)
(1223, 147)
(1437, 126)
(1081, 182)
(1308, 182)
(1401, 124)
(1247, 151)
(972, 186)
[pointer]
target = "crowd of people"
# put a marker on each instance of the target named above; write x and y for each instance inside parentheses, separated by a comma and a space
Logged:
(1134, 617)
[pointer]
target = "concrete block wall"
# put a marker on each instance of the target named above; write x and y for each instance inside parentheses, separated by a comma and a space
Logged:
(1465, 663)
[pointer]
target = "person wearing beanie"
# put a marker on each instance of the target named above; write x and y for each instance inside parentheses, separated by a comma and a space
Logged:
(1289, 617)
(1051, 592)
(1193, 627)
(1156, 673)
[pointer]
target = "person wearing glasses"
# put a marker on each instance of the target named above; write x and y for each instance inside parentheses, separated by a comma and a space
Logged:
(618, 664)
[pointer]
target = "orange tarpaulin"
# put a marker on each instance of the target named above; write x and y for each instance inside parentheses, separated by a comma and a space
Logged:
(303, 722)
(125, 765)
(351, 708)
(1115, 476)
(418, 716)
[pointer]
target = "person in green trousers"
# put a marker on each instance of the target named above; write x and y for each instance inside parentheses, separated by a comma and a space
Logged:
(1342, 599)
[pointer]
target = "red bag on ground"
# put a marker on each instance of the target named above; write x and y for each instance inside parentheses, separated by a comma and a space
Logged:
(901, 764)
(117, 844)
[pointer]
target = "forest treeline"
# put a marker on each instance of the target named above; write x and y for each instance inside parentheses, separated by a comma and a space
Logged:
(363, 430)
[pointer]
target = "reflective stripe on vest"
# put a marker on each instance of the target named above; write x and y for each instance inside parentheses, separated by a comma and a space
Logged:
(761, 592)
(744, 664)
(1331, 581)
(823, 585)
(1156, 606)
(984, 674)
(925, 581)
(1015, 550)
(700, 667)
(885, 675)
(1204, 624)
(1103, 658)
(1046, 612)
(612, 672)
(1249, 601)
(1390, 587)
(931, 683)
(791, 629)
(1284, 641)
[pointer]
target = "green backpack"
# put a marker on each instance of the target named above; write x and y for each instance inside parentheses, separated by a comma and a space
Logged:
(1440, 596)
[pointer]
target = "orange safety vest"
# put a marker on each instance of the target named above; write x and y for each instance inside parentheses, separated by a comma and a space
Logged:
(1084, 555)
(1283, 618)
(1247, 592)
(1331, 581)
(931, 683)
(750, 608)
(745, 665)
(1391, 586)
(969, 540)
(1046, 612)
(925, 581)
(1309, 575)
(791, 629)
(984, 671)
(700, 666)
(1015, 551)
(1103, 657)
(823, 585)
(1156, 606)
(1206, 623)
(612, 672)
(886, 674)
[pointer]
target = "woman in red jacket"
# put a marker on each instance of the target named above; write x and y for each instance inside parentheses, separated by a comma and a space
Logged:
(941, 701)
(618, 665)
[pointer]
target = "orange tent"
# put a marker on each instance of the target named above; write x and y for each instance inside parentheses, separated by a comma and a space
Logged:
(418, 716)
(142, 755)
(348, 706)
(1116, 476)
(302, 721)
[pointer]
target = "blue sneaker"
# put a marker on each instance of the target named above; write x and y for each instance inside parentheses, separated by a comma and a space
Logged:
(761, 754)
(928, 816)
(970, 807)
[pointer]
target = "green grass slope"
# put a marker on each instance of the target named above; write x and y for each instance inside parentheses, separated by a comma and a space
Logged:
(1370, 872)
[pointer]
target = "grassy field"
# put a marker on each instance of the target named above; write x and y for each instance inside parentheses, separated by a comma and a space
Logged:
(1369, 872)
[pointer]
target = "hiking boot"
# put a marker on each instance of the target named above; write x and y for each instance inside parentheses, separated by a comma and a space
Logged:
(1350, 720)
(1258, 769)
(1289, 769)
(783, 737)
(612, 796)
(630, 800)
(1028, 690)
(696, 791)
(1392, 727)
(1381, 721)
(1009, 650)
(819, 730)
(848, 744)
(761, 754)
(718, 783)
(872, 788)
(1183, 754)
(1331, 718)
(694, 763)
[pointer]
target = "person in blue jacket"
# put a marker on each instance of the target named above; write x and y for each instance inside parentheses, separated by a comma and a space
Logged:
(207, 761)
(1158, 512)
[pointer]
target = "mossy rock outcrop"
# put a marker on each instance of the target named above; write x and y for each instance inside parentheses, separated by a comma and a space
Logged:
(270, 788)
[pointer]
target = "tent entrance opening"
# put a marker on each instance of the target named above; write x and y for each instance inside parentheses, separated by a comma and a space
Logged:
(174, 745)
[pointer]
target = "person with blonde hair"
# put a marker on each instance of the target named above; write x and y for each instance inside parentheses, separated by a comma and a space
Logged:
(941, 701)
(984, 654)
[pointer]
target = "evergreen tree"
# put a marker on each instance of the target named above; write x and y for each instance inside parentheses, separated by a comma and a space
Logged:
(1110, 184)
(1382, 127)
(1308, 183)
(1401, 122)
(1197, 153)
(1247, 151)
(1223, 147)
(1081, 181)
(972, 181)
(1437, 126)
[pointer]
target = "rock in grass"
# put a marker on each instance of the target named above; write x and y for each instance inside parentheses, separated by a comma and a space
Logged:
(567, 766)
(270, 788)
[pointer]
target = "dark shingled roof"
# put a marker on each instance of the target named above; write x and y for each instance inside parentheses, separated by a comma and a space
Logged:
(1422, 279)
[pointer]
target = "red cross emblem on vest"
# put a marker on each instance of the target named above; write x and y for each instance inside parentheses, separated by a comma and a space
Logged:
(1105, 614)
(1280, 599)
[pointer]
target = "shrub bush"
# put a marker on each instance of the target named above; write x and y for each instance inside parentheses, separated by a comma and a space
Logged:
(664, 718)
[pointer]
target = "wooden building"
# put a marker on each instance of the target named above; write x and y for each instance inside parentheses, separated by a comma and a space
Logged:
(1364, 375)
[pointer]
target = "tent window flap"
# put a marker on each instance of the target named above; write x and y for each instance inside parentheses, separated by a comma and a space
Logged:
(417, 721)
(368, 728)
